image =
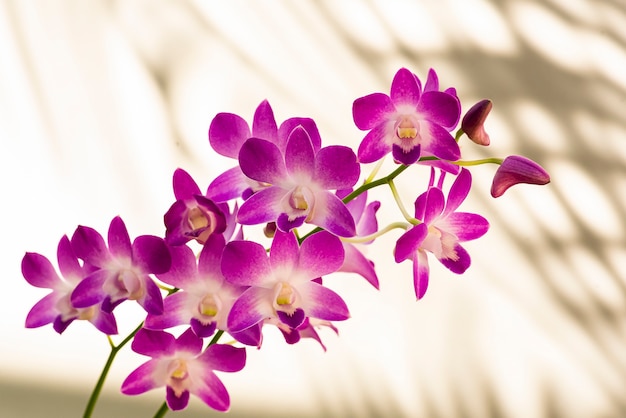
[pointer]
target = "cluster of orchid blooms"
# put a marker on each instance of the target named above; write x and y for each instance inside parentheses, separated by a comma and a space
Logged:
(316, 220)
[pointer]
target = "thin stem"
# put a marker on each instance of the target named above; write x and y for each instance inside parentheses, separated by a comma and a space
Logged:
(396, 197)
(366, 238)
(95, 394)
(492, 160)
(164, 408)
(375, 171)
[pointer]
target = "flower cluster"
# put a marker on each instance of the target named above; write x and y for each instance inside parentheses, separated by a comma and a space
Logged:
(206, 275)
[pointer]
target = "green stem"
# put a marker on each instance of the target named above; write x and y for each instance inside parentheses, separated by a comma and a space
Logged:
(164, 408)
(95, 394)
(396, 197)
(366, 238)
(492, 160)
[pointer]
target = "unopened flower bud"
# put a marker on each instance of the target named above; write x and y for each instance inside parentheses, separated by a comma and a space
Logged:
(517, 169)
(472, 123)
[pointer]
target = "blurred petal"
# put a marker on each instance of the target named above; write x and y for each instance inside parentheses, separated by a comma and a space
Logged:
(174, 402)
(68, 262)
(89, 291)
(43, 312)
(39, 272)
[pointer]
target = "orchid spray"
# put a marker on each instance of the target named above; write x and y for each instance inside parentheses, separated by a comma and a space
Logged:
(205, 275)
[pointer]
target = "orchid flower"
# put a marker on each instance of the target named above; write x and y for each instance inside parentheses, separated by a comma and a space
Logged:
(300, 182)
(183, 368)
(282, 285)
(410, 122)
(205, 298)
(56, 307)
(122, 270)
(441, 231)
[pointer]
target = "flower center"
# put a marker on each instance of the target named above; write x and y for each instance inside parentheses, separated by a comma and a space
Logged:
(297, 200)
(406, 129)
(209, 306)
(286, 294)
(126, 285)
(178, 374)
(197, 219)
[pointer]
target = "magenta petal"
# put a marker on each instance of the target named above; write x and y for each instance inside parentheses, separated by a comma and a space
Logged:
(152, 300)
(409, 242)
(224, 357)
(39, 272)
(253, 306)
(90, 246)
(320, 254)
(142, 379)
(118, 239)
(175, 312)
(68, 263)
(290, 124)
(189, 342)
(406, 157)
(369, 111)
(435, 202)
(336, 167)
(262, 161)
(332, 214)
(151, 254)
(368, 224)
(322, 303)
(264, 124)
(227, 186)
(284, 251)
(432, 81)
(105, 322)
(209, 261)
(183, 270)
(176, 402)
(460, 264)
(263, 206)
(473, 122)
(405, 88)
(227, 133)
(355, 262)
(439, 142)
(154, 343)
(213, 392)
(285, 224)
(440, 108)
(43, 312)
(89, 291)
(459, 190)
(299, 154)
(245, 263)
(466, 226)
(184, 185)
(420, 274)
(376, 143)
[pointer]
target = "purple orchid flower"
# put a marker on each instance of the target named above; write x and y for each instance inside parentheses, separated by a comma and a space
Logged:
(474, 120)
(123, 268)
(180, 366)
(282, 285)
(301, 181)
(227, 134)
(306, 330)
(364, 216)
(410, 122)
(56, 307)
(205, 298)
(441, 231)
(192, 216)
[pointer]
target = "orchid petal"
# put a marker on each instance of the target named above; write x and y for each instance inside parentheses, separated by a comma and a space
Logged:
(152, 300)
(376, 144)
(459, 264)
(321, 302)
(254, 305)
(264, 124)
(68, 262)
(212, 392)
(176, 402)
(299, 155)
(183, 269)
(261, 160)
(369, 111)
(336, 167)
(227, 186)
(284, 251)
(458, 191)
(227, 133)
(332, 214)
(39, 272)
(420, 273)
(466, 226)
(118, 239)
(188, 342)
(440, 108)
(89, 246)
(438, 142)
(355, 262)
(408, 244)
(154, 343)
(435, 202)
(175, 312)
(89, 291)
(142, 379)
(223, 357)
(406, 88)
(290, 124)
(151, 254)
(320, 254)
(43, 312)
(263, 206)
(209, 261)
(184, 185)
(245, 263)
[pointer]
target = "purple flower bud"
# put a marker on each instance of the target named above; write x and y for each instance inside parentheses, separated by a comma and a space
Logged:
(472, 123)
(517, 169)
